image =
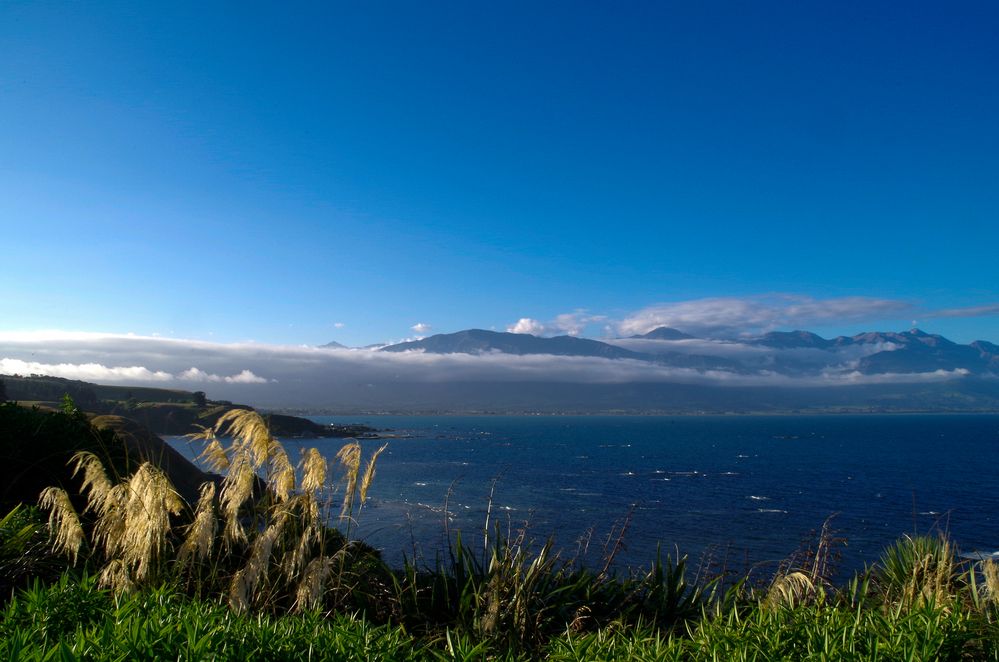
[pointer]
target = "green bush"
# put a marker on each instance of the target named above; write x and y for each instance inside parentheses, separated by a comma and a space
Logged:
(25, 553)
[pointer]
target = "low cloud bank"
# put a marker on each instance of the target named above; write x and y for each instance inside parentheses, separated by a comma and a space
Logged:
(93, 372)
(97, 372)
(260, 372)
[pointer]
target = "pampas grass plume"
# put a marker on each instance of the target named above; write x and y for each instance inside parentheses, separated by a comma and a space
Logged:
(314, 470)
(64, 524)
(95, 479)
(310, 589)
(350, 457)
(369, 473)
(200, 536)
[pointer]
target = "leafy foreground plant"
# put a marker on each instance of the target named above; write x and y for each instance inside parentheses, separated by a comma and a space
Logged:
(520, 599)
(78, 620)
(72, 620)
(813, 632)
(917, 571)
(24, 550)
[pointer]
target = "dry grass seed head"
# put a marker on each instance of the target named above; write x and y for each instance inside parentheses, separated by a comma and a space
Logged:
(299, 556)
(369, 474)
(308, 513)
(64, 524)
(96, 483)
(204, 433)
(350, 457)
(151, 501)
(238, 592)
(214, 456)
(788, 590)
(237, 488)
(200, 536)
(248, 429)
(109, 530)
(115, 575)
(245, 581)
(310, 589)
(314, 469)
(990, 570)
(282, 478)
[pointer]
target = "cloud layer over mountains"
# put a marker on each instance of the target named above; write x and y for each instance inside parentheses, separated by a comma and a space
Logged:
(289, 375)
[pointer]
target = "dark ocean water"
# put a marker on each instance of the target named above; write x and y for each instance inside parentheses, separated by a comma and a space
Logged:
(743, 490)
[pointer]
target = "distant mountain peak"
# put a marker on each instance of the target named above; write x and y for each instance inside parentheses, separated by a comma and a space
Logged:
(665, 333)
(793, 340)
(478, 341)
(333, 345)
(986, 346)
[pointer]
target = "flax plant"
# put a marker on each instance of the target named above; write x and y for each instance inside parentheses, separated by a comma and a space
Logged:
(918, 571)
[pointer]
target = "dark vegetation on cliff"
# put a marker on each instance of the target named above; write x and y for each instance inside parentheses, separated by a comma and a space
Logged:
(163, 411)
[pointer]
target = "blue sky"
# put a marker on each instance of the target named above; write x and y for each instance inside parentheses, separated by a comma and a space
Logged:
(269, 172)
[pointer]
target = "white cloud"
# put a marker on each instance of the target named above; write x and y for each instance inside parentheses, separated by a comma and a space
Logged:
(527, 325)
(570, 324)
(575, 323)
(95, 372)
(245, 377)
(338, 325)
(196, 375)
(856, 377)
(421, 328)
(732, 316)
(973, 311)
(134, 374)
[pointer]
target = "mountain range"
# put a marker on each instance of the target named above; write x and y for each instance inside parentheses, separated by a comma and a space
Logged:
(793, 353)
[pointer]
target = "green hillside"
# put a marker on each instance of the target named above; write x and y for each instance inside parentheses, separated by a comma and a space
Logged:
(41, 388)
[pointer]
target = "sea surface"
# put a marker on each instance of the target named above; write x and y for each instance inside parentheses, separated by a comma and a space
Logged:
(737, 493)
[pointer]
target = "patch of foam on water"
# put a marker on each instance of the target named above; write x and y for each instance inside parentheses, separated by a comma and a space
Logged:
(981, 556)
